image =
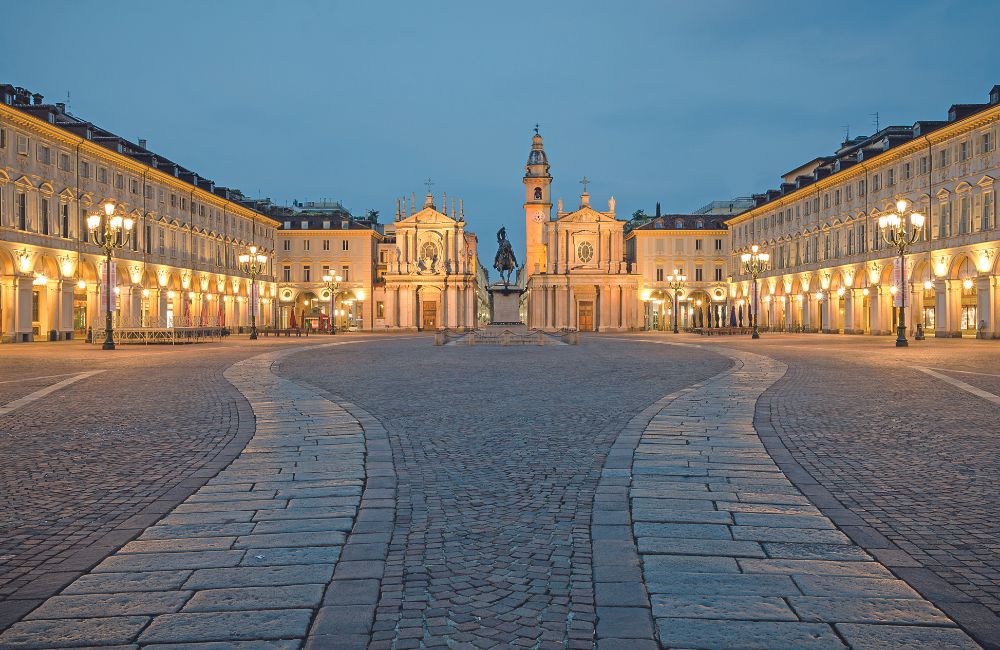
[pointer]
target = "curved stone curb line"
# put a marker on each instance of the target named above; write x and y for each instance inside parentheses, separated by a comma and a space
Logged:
(248, 557)
(731, 551)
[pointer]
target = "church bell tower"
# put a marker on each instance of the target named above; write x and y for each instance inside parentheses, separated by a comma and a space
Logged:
(537, 205)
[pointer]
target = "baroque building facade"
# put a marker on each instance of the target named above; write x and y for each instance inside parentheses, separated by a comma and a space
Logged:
(575, 271)
(830, 270)
(429, 271)
(181, 265)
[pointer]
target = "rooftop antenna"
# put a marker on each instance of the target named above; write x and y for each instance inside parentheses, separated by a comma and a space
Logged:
(67, 101)
(874, 117)
(847, 133)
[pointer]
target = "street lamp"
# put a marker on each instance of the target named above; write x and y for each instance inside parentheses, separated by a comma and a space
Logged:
(902, 231)
(676, 283)
(109, 231)
(754, 263)
(253, 264)
(332, 284)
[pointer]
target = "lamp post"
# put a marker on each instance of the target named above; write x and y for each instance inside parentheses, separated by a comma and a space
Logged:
(901, 230)
(332, 284)
(253, 264)
(755, 263)
(109, 231)
(676, 283)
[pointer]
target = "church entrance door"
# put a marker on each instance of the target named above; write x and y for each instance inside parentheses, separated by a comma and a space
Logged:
(429, 312)
(585, 316)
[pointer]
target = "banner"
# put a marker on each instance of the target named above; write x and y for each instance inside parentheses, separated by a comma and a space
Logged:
(255, 300)
(102, 287)
(897, 281)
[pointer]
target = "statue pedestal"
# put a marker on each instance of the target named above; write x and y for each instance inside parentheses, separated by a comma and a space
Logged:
(505, 305)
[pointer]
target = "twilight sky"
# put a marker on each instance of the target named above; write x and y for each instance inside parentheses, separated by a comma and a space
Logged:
(681, 103)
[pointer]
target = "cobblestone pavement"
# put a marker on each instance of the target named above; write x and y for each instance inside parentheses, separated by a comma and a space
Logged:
(903, 462)
(498, 452)
(86, 468)
(732, 553)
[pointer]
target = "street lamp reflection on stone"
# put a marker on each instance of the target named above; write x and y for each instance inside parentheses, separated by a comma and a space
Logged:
(676, 283)
(253, 264)
(115, 234)
(755, 263)
(901, 231)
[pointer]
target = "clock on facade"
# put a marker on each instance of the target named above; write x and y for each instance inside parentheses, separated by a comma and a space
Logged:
(539, 218)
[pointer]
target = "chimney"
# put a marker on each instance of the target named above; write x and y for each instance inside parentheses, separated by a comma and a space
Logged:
(142, 142)
(61, 106)
(657, 208)
(38, 99)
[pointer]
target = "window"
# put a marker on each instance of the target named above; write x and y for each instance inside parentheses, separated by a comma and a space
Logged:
(326, 226)
(699, 224)
(3, 138)
(987, 142)
(133, 186)
(173, 200)
(964, 215)
(907, 171)
(826, 201)
(923, 165)
(43, 215)
(345, 273)
(698, 244)
(22, 145)
(659, 274)
(345, 245)
(538, 194)
(585, 252)
(718, 244)
(943, 158)
(64, 220)
(85, 168)
(876, 182)
(963, 151)
(147, 191)
(836, 197)
(147, 239)
(120, 181)
(288, 225)
(326, 244)
(305, 225)
(64, 161)
(698, 274)
(43, 154)
(987, 219)
(718, 274)
(286, 273)
(850, 192)
(678, 224)
(160, 241)
(21, 208)
(379, 309)
(861, 187)
(307, 273)
(286, 245)
(102, 175)
(890, 177)
(305, 244)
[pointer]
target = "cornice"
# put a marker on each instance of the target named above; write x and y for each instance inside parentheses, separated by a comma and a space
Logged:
(936, 137)
(121, 160)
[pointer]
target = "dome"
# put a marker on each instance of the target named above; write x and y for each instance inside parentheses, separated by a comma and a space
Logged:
(537, 155)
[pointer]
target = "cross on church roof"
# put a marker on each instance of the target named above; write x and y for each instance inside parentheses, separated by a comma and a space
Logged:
(585, 182)
(536, 128)
(428, 183)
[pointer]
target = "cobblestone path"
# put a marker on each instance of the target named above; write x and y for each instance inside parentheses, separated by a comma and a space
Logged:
(246, 557)
(732, 553)
(498, 453)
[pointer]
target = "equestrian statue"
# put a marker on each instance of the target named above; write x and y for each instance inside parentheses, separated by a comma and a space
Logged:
(505, 261)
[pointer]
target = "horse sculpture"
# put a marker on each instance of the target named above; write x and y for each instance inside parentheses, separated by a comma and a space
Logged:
(505, 262)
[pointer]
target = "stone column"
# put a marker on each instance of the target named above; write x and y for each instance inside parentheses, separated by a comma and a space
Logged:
(984, 305)
(951, 323)
(22, 313)
(65, 322)
(8, 309)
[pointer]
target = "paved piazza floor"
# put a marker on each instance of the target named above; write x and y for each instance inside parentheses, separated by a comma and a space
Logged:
(800, 491)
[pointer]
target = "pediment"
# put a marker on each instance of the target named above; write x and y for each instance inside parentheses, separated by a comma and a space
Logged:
(427, 217)
(586, 214)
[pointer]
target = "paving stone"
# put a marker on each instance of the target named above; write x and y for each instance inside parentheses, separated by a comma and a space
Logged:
(660, 568)
(747, 608)
(133, 603)
(282, 556)
(72, 632)
(849, 586)
(876, 637)
(854, 609)
(133, 562)
(228, 626)
(253, 598)
(703, 633)
(112, 583)
(725, 584)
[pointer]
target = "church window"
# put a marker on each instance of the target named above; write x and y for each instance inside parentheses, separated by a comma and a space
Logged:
(585, 252)
(538, 194)
(428, 250)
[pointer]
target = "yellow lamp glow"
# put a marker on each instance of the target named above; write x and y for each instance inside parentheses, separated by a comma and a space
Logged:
(967, 284)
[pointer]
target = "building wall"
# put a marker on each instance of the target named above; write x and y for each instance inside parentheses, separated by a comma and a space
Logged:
(181, 261)
(700, 255)
(830, 271)
(301, 260)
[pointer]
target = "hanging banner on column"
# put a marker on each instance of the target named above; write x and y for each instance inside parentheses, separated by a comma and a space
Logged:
(255, 300)
(897, 281)
(102, 286)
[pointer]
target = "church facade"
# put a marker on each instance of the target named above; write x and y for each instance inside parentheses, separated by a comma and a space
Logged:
(429, 280)
(575, 266)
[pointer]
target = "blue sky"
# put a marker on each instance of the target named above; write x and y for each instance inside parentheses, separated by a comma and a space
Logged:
(675, 102)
